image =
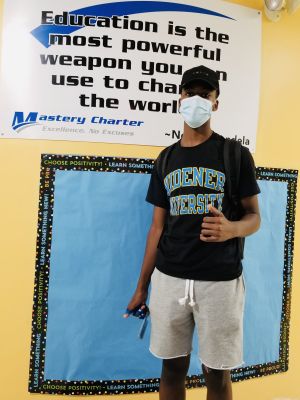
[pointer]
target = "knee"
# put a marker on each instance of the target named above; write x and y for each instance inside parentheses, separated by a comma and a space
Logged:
(175, 369)
(217, 380)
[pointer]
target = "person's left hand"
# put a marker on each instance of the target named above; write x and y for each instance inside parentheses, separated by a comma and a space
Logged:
(217, 228)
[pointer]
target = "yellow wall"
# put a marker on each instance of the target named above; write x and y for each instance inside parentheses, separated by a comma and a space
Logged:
(277, 146)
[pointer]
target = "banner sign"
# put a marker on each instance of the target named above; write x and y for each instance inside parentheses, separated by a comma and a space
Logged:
(111, 71)
(92, 227)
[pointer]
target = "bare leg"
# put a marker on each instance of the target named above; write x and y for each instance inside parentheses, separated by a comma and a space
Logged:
(218, 383)
(172, 381)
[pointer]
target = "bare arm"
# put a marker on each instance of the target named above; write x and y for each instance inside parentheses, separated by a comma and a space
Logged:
(155, 231)
(250, 222)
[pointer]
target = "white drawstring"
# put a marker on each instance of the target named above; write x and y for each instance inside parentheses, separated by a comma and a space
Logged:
(189, 290)
(183, 300)
(192, 303)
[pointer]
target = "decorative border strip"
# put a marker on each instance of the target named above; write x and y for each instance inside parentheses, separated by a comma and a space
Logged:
(37, 384)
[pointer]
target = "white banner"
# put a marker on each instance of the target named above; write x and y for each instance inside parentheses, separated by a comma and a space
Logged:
(110, 71)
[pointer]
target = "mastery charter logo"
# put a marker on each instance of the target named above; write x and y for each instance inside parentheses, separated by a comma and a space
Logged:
(20, 120)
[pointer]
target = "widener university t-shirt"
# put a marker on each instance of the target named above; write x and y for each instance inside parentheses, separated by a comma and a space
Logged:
(194, 177)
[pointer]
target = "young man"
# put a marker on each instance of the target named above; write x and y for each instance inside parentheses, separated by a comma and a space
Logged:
(192, 255)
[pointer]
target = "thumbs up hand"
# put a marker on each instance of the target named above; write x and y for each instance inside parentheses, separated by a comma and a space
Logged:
(216, 228)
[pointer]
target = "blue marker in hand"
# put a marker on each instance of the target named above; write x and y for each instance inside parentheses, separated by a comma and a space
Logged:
(141, 312)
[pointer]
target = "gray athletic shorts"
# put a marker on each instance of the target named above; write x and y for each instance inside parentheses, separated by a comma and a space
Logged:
(215, 307)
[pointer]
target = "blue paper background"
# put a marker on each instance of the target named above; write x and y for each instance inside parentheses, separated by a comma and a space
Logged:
(100, 223)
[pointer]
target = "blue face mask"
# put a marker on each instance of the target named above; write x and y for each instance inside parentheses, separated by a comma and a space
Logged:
(195, 110)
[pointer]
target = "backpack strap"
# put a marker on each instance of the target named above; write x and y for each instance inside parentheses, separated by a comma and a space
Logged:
(162, 161)
(232, 165)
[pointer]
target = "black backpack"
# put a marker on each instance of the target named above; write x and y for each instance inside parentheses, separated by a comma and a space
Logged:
(232, 164)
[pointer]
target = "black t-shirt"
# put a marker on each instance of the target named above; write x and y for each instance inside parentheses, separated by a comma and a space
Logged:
(194, 178)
